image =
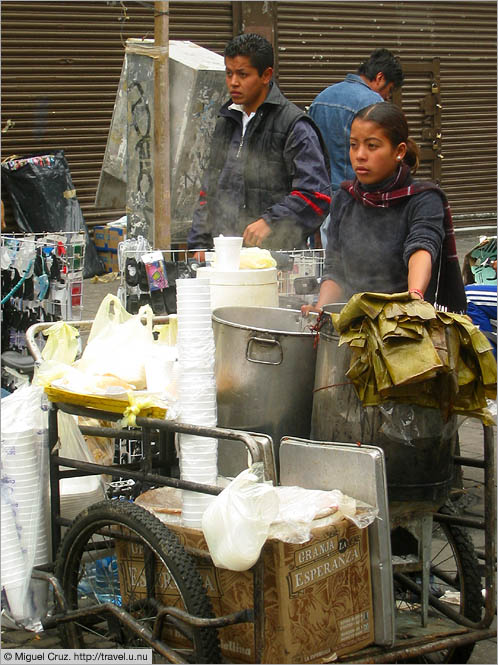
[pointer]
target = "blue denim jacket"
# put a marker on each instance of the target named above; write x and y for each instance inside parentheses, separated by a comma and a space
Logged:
(333, 111)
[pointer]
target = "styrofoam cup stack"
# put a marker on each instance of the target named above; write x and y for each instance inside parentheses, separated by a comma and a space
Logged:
(196, 393)
(13, 566)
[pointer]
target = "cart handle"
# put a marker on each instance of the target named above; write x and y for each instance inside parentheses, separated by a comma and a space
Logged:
(84, 326)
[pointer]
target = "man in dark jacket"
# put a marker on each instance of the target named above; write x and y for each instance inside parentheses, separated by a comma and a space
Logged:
(267, 178)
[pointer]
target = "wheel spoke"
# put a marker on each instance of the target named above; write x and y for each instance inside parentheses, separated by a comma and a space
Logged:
(118, 552)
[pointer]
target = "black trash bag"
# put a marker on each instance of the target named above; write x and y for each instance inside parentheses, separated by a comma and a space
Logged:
(44, 200)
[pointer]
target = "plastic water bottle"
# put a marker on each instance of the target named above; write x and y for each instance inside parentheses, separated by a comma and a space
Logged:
(101, 580)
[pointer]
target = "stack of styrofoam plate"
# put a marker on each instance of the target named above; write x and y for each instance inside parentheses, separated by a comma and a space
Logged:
(79, 493)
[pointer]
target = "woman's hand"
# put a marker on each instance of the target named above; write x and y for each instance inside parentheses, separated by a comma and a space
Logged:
(306, 309)
(330, 292)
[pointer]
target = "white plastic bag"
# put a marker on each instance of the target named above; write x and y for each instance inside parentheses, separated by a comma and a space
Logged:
(237, 522)
(118, 343)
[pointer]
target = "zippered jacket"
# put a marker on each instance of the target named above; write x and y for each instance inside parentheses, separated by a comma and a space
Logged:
(278, 170)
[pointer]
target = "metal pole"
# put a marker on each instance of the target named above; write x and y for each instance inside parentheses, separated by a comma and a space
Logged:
(162, 189)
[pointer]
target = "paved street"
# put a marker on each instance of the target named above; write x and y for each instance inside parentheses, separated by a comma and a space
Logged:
(471, 441)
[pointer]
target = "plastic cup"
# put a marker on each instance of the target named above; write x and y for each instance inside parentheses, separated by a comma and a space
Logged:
(199, 463)
(195, 501)
(15, 442)
(198, 332)
(192, 283)
(189, 377)
(194, 321)
(204, 419)
(22, 454)
(194, 439)
(201, 305)
(198, 475)
(188, 313)
(195, 335)
(193, 404)
(227, 249)
(15, 597)
(197, 386)
(189, 304)
(17, 433)
(23, 463)
(202, 296)
(207, 477)
(27, 481)
(193, 452)
(195, 340)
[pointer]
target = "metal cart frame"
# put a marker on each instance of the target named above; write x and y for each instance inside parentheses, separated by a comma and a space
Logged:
(466, 632)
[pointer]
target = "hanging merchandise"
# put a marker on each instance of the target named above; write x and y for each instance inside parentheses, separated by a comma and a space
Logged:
(42, 280)
(148, 277)
(44, 200)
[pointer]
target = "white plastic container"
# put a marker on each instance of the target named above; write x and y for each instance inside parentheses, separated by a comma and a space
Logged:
(248, 288)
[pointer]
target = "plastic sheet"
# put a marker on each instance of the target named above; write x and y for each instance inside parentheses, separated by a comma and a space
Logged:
(236, 524)
(248, 511)
(44, 199)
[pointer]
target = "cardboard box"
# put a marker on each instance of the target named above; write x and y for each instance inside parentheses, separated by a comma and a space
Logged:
(113, 261)
(115, 235)
(318, 599)
(100, 238)
(107, 259)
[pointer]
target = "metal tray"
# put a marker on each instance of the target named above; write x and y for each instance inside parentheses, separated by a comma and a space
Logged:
(360, 473)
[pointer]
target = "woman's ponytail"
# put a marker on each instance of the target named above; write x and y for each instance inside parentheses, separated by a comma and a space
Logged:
(412, 155)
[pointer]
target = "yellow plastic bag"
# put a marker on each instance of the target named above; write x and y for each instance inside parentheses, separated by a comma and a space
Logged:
(254, 258)
(62, 343)
(118, 343)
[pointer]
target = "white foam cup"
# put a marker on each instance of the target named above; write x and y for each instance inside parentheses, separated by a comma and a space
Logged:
(227, 249)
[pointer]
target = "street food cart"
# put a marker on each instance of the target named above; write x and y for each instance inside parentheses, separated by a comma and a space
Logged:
(124, 576)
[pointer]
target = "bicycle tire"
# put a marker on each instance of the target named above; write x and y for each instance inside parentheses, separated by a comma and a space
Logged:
(110, 528)
(460, 574)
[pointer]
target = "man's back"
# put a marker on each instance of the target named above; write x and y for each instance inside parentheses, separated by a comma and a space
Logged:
(333, 110)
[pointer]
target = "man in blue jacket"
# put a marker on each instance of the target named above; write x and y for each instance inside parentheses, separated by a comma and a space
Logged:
(334, 108)
(268, 176)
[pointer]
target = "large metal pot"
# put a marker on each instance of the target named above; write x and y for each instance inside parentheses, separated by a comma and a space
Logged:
(418, 444)
(265, 368)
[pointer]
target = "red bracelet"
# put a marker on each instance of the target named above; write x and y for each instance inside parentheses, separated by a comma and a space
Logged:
(418, 292)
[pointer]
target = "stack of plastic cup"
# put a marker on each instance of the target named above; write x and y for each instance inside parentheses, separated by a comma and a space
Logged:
(13, 570)
(25, 479)
(21, 463)
(196, 393)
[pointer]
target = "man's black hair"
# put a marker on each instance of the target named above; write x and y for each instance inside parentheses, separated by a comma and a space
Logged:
(382, 60)
(255, 47)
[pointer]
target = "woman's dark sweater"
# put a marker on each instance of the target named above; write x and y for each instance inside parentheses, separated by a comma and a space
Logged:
(368, 247)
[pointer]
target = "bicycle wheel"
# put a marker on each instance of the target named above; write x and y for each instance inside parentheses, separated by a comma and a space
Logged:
(117, 552)
(455, 579)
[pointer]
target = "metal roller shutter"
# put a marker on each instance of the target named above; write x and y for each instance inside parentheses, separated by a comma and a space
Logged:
(61, 63)
(319, 42)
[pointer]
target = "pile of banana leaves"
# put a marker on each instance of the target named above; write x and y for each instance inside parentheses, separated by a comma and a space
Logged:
(404, 350)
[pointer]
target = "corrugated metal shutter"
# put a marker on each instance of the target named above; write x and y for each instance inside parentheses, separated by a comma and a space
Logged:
(320, 42)
(61, 63)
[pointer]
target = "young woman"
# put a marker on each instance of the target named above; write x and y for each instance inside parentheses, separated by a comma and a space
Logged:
(388, 232)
